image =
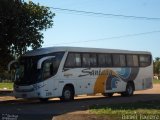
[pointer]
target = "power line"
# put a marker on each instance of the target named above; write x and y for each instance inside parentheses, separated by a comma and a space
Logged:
(105, 14)
(114, 37)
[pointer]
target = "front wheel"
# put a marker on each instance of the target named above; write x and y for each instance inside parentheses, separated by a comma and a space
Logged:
(67, 94)
(129, 90)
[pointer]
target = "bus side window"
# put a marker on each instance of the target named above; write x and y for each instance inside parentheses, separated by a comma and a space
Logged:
(132, 61)
(119, 60)
(101, 60)
(50, 68)
(70, 60)
(85, 60)
(108, 60)
(145, 60)
(135, 60)
(122, 60)
(93, 60)
(116, 61)
(73, 60)
(46, 70)
(104, 60)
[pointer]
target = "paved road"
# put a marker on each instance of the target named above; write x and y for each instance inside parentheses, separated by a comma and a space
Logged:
(33, 109)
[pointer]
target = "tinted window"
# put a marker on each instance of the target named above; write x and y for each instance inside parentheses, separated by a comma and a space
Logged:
(101, 60)
(73, 60)
(122, 60)
(132, 61)
(85, 60)
(145, 60)
(47, 69)
(89, 60)
(108, 60)
(119, 60)
(93, 60)
(50, 67)
(116, 61)
(104, 60)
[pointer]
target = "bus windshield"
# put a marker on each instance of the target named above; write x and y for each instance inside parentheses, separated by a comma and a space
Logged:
(27, 72)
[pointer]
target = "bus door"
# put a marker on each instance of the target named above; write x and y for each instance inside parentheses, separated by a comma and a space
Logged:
(49, 69)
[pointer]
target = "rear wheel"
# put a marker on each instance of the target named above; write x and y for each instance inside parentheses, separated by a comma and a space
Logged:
(43, 99)
(67, 94)
(108, 94)
(129, 90)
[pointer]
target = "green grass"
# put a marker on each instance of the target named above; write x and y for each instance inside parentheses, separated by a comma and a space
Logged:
(134, 110)
(156, 81)
(6, 85)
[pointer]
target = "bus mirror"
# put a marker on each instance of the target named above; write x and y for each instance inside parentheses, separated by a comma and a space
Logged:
(39, 64)
(11, 63)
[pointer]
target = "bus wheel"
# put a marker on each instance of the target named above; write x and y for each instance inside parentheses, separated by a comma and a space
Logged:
(129, 90)
(108, 94)
(43, 99)
(67, 94)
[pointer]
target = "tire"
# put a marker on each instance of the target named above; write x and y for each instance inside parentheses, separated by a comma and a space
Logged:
(129, 90)
(67, 94)
(43, 99)
(108, 94)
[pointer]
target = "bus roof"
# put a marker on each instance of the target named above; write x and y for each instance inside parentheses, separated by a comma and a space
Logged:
(48, 50)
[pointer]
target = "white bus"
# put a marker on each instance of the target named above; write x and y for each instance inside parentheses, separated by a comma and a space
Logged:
(66, 72)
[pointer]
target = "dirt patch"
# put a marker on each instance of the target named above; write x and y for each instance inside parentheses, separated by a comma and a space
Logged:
(81, 115)
(85, 115)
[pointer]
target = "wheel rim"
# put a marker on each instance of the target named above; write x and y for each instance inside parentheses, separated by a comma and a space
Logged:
(67, 94)
(130, 90)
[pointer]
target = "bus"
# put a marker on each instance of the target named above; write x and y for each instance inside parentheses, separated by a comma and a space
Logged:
(66, 72)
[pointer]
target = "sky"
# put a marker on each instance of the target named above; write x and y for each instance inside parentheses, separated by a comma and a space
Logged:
(102, 31)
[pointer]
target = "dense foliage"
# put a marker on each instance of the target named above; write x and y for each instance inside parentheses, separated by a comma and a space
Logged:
(156, 65)
(21, 26)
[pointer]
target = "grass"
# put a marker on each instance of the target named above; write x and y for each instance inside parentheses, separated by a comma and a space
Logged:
(128, 111)
(156, 81)
(6, 86)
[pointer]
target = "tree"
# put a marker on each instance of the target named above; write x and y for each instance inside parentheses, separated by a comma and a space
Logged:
(21, 26)
(156, 64)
